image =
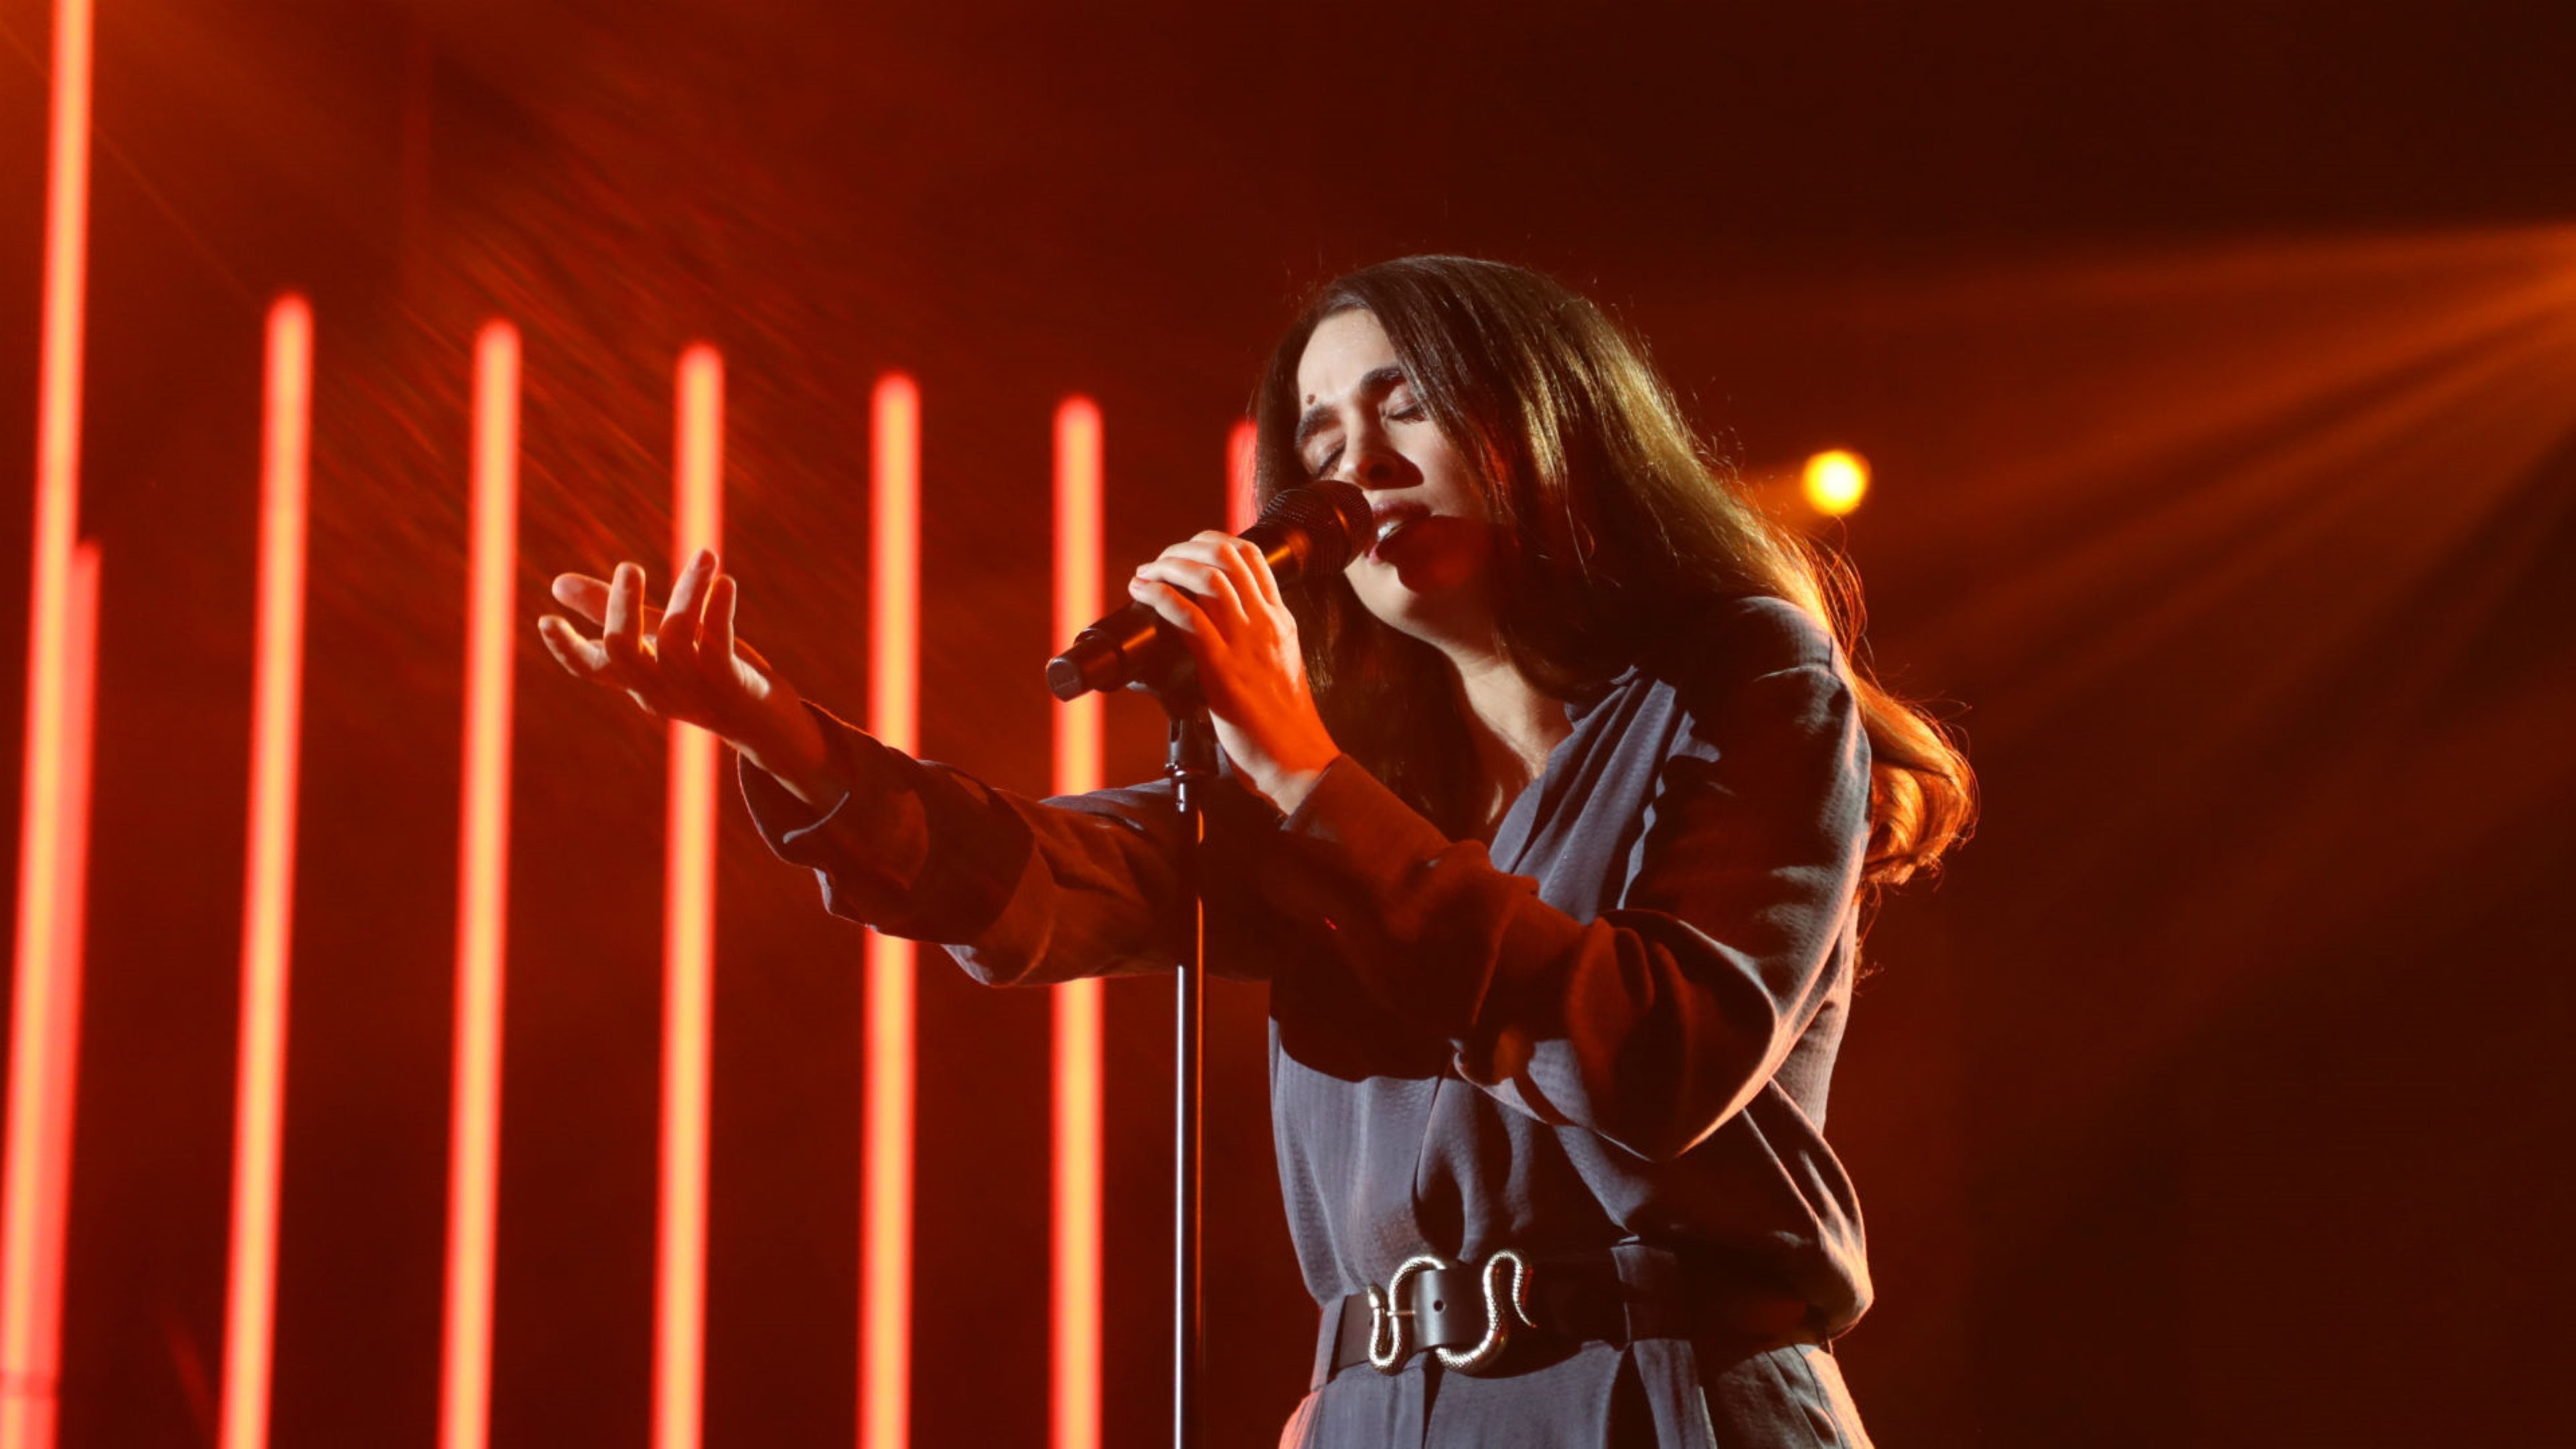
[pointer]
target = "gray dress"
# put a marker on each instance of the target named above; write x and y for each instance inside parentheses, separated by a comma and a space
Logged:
(1611, 1029)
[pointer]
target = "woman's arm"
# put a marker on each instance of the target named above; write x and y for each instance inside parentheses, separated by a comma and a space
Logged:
(1020, 891)
(1657, 1021)
(1650, 1025)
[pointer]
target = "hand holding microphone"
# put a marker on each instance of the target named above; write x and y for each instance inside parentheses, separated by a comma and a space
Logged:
(1217, 596)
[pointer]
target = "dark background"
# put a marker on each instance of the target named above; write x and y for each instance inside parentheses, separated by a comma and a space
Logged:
(2218, 361)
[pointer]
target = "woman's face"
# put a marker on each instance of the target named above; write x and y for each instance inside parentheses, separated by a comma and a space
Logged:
(1427, 569)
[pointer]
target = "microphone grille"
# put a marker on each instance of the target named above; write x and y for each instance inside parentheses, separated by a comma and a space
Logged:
(1333, 516)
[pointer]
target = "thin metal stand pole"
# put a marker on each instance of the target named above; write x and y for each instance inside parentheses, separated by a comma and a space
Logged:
(1191, 766)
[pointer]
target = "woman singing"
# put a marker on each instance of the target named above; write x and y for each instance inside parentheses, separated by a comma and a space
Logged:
(1551, 823)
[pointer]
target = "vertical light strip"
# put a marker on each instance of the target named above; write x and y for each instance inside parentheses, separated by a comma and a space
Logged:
(482, 894)
(1242, 504)
(46, 1004)
(1075, 1361)
(44, 1055)
(268, 895)
(885, 1153)
(688, 953)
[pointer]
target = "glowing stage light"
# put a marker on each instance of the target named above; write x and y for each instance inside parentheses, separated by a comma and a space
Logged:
(1242, 506)
(886, 1146)
(44, 1051)
(1074, 1363)
(482, 896)
(35, 1170)
(268, 904)
(688, 954)
(1835, 482)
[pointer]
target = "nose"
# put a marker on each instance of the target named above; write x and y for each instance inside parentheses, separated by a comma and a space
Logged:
(1372, 464)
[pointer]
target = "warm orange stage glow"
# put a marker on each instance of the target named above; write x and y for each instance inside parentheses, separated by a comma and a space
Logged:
(688, 954)
(1074, 1376)
(44, 1054)
(1242, 505)
(482, 895)
(1835, 481)
(268, 897)
(35, 1172)
(885, 1154)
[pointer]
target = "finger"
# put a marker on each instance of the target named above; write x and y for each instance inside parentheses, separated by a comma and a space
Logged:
(1252, 575)
(619, 626)
(1207, 547)
(1207, 580)
(582, 594)
(715, 636)
(577, 655)
(1176, 608)
(675, 641)
(588, 597)
(1243, 565)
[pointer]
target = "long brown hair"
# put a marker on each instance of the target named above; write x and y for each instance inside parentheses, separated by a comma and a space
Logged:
(1618, 518)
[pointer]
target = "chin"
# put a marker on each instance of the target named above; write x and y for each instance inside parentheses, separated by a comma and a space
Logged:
(1436, 613)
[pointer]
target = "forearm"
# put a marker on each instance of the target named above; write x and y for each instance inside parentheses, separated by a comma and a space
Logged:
(1021, 891)
(802, 757)
(1655, 1021)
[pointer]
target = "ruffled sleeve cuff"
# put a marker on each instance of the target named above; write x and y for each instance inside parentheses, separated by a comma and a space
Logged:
(869, 846)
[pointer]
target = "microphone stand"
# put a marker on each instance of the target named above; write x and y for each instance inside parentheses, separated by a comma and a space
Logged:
(1314, 525)
(1190, 764)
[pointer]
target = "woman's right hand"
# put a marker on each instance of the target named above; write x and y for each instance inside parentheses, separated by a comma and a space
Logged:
(682, 662)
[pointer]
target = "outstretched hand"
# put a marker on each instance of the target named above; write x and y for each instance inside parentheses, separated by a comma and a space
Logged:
(682, 662)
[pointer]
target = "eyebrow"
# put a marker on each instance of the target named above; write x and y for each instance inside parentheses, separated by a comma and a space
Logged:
(1377, 382)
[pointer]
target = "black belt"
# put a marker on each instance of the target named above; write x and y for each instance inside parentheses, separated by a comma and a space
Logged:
(1472, 1315)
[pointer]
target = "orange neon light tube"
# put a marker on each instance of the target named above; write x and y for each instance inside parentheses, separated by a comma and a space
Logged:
(35, 1162)
(886, 1146)
(1242, 504)
(268, 893)
(1074, 1376)
(44, 1054)
(688, 954)
(482, 895)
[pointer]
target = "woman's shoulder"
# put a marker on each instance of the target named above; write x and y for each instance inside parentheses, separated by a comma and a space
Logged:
(1737, 638)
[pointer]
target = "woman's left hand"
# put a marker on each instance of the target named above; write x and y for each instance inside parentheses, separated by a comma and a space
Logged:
(1218, 592)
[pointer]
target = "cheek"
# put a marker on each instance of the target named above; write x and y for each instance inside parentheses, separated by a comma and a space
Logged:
(1449, 481)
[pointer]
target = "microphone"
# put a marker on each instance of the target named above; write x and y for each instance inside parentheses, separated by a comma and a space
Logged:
(1308, 530)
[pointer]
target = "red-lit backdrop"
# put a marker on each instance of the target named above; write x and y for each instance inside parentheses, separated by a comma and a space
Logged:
(2215, 377)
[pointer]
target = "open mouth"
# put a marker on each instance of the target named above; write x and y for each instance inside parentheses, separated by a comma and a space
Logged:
(1392, 521)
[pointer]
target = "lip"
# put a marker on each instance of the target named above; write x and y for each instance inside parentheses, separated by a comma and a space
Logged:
(1389, 517)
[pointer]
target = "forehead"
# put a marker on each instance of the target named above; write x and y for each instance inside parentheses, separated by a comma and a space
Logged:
(1343, 349)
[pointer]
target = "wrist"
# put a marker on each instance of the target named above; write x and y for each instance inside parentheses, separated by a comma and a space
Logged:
(802, 759)
(1287, 783)
(1291, 790)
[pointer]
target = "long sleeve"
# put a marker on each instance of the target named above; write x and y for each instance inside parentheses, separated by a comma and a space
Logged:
(1020, 891)
(1656, 1021)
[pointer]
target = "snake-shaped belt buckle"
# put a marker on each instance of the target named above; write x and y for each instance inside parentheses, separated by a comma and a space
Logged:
(1388, 1334)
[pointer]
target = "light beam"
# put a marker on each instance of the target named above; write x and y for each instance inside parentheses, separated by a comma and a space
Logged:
(1074, 1363)
(482, 895)
(886, 1148)
(35, 1170)
(688, 954)
(268, 903)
